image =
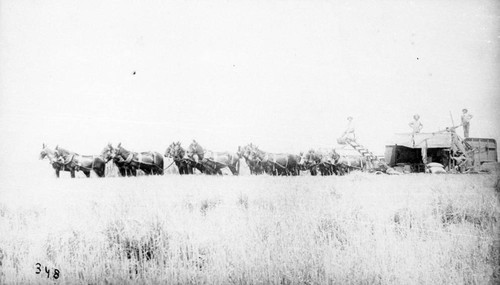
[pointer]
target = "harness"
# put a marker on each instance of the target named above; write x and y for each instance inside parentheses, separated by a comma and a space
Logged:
(139, 160)
(277, 163)
(78, 162)
(212, 157)
(89, 168)
(129, 158)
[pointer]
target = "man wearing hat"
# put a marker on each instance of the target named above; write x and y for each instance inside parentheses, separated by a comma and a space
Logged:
(416, 125)
(349, 131)
(466, 117)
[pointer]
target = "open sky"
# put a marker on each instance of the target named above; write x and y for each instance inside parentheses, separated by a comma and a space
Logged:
(281, 74)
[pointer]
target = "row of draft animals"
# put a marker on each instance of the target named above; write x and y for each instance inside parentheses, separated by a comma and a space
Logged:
(128, 162)
(205, 161)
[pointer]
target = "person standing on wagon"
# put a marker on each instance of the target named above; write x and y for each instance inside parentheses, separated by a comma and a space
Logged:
(416, 125)
(466, 117)
(349, 131)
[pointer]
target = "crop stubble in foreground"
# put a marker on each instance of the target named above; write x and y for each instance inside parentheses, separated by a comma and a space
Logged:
(359, 228)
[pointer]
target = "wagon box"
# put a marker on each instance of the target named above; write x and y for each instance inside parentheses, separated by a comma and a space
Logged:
(419, 149)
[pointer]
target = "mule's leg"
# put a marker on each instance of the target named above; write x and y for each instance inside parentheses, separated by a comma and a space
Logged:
(72, 173)
(102, 171)
(99, 173)
(87, 173)
(233, 170)
(161, 169)
(57, 173)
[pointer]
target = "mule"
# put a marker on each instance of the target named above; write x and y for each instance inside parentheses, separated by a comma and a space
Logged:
(124, 169)
(150, 162)
(324, 162)
(254, 166)
(107, 155)
(277, 163)
(58, 167)
(213, 161)
(178, 154)
(84, 163)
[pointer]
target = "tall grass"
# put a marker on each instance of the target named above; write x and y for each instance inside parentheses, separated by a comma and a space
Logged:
(357, 229)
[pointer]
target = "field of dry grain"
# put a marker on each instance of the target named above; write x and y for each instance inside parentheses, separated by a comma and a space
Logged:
(356, 229)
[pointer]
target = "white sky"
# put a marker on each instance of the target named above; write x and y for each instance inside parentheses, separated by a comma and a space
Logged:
(282, 74)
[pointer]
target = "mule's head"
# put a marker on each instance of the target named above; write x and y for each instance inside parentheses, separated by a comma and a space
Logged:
(175, 151)
(107, 152)
(245, 151)
(308, 158)
(334, 155)
(256, 155)
(194, 151)
(117, 152)
(58, 155)
(169, 150)
(179, 152)
(302, 160)
(239, 152)
(45, 152)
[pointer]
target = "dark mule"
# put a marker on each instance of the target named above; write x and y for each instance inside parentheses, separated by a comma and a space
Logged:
(246, 152)
(150, 162)
(213, 161)
(307, 163)
(277, 163)
(58, 167)
(178, 154)
(107, 155)
(123, 168)
(324, 162)
(84, 163)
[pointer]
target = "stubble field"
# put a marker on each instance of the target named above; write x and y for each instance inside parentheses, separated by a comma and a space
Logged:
(356, 229)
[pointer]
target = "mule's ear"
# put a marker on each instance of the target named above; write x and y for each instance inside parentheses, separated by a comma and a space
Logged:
(119, 144)
(43, 145)
(57, 147)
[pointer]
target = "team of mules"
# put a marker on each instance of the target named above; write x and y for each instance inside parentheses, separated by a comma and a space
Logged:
(205, 161)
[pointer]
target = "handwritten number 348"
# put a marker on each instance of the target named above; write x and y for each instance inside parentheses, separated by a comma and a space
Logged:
(47, 270)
